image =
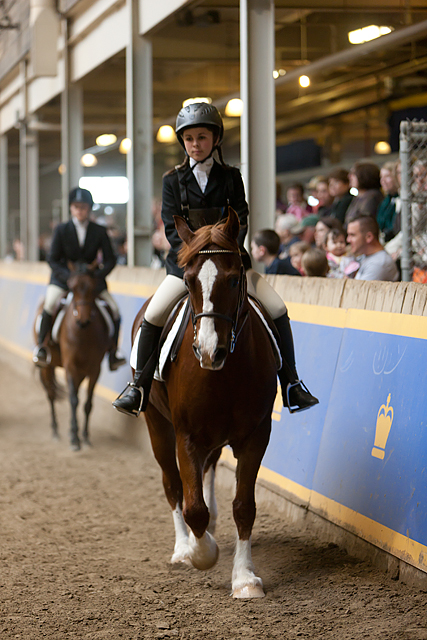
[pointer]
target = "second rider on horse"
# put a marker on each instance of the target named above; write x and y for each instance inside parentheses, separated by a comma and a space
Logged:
(200, 190)
(78, 240)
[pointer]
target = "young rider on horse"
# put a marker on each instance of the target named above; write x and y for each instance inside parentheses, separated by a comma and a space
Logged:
(200, 190)
(78, 240)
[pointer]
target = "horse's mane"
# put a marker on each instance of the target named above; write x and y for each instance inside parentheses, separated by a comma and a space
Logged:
(209, 234)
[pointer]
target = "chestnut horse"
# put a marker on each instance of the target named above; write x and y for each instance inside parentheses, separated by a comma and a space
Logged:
(219, 391)
(83, 340)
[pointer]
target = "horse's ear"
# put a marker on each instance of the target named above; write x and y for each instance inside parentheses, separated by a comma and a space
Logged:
(232, 226)
(93, 265)
(183, 229)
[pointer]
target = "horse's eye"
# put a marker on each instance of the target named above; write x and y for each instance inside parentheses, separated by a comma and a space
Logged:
(233, 283)
(186, 282)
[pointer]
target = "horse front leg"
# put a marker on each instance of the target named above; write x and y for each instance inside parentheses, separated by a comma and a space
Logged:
(162, 436)
(73, 389)
(88, 406)
(245, 583)
(203, 550)
(209, 489)
(47, 376)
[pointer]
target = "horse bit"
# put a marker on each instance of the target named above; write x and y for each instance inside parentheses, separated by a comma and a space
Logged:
(214, 314)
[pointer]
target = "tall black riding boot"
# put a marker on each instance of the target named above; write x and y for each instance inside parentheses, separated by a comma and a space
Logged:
(116, 359)
(134, 398)
(295, 394)
(41, 354)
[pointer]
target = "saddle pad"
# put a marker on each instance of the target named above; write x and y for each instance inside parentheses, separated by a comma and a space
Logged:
(165, 350)
(102, 308)
(274, 344)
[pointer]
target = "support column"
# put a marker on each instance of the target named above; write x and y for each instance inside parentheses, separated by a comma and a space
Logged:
(72, 139)
(139, 122)
(258, 118)
(4, 195)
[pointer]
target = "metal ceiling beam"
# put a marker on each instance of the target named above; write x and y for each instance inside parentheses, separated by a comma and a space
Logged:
(402, 36)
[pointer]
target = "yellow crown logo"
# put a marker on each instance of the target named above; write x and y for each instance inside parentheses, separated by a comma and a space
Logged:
(382, 430)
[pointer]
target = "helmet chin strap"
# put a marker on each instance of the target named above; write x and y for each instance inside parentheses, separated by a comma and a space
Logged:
(204, 159)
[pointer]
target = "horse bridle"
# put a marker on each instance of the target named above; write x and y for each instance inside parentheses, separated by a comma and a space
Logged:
(221, 316)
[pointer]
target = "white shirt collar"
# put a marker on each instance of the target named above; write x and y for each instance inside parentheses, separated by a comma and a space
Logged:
(201, 171)
(81, 229)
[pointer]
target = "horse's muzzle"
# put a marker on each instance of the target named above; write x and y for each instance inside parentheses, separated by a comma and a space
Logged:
(214, 362)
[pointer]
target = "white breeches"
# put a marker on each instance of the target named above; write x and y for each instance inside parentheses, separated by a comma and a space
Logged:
(173, 288)
(55, 293)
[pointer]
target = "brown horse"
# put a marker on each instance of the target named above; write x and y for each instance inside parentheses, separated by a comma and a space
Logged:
(82, 342)
(219, 391)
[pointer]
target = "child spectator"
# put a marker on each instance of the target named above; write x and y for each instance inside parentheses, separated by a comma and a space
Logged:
(339, 188)
(296, 253)
(340, 264)
(297, 204)
(265, 246)
(315, 263)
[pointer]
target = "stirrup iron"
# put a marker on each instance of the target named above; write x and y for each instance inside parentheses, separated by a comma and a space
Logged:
(296, 408)
(39, 363)
(130, 412)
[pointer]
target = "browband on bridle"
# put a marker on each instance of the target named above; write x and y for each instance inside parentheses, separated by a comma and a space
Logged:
(238, 253)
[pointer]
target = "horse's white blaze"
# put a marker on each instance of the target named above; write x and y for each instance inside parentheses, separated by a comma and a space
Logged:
(204, 551)
(244, 578)
(207, 338)
(181, 550)
(209, 497)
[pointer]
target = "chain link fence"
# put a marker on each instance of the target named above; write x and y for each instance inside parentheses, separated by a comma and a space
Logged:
(413, 193)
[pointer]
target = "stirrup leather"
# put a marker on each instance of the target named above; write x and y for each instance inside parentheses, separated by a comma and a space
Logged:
(294, 409)
(130, 412)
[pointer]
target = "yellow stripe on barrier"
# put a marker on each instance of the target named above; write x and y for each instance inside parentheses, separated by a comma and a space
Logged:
(402, 547)
(314, 314)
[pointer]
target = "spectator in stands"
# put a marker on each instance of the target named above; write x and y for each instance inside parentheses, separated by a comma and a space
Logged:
(365, 177)
(280, 205)
(339, 188)
(390, 207)
(265, 247)
(322, 227)
(285, 226)
(314, 263)
(324, 197)
(341, 265)
(296, 253)
(375, 263)
(306, 228)
(297, 204)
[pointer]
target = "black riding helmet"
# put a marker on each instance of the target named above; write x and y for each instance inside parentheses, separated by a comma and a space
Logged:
(80, 195)
(199, 114)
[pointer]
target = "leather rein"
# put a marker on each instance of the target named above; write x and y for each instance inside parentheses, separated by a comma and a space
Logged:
(221, 316)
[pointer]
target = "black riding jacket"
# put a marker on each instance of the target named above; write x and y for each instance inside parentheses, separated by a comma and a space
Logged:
(65, 248)
(221, 190)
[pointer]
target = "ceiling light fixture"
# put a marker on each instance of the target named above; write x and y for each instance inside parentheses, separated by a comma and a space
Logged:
(304, 81)
(88, 160)
(193, 100)
(382, 148)
(234, 108)
(106, 139)
(278, 72)
(166, 133)
(125, 145)
(367, 33)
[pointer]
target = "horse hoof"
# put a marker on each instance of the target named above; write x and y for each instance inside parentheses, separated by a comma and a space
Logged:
(204, 551)
(179, 559)
(250, 591)
(75, 446)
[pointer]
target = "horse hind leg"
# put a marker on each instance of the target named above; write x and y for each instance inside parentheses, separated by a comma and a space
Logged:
(163, 443)
(88, 409)
(245, 583)
(74, 428)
